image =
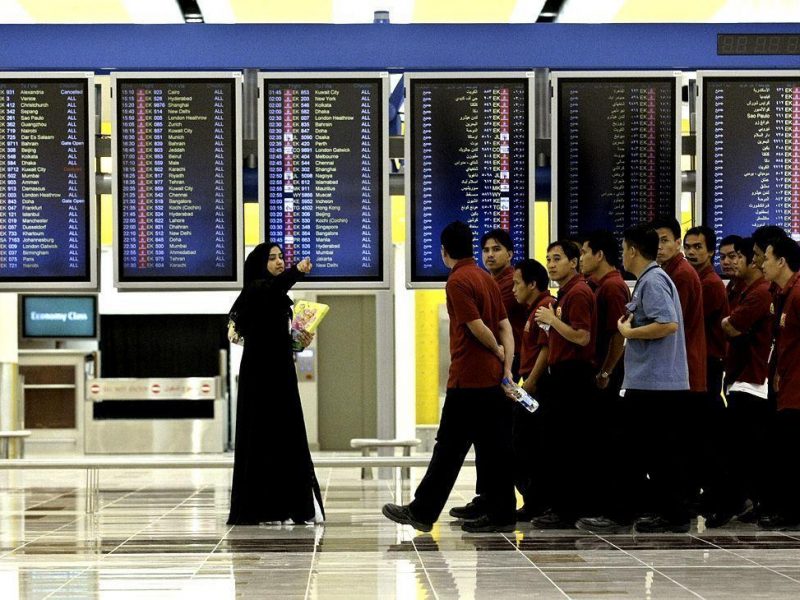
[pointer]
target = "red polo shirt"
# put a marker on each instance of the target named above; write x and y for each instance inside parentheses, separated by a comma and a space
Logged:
(788, 346)
(747, 356)
(534, 338)
(690, 292)
(517, 313)
(575, 306)
(734, 289)
(715, 308)
(611, 294)
(472, 294)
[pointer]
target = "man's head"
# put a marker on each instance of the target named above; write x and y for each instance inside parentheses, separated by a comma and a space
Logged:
(781, 260)
(599, 248)
(562, 260)
(699, 244)
(744, 264)
(639, 247)
(497, 249)
(456, 241)
(762, 237)
(669, 238)
(530, 280)
(728, 254)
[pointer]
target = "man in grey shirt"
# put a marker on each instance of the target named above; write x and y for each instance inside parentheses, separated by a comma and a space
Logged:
(656, 374)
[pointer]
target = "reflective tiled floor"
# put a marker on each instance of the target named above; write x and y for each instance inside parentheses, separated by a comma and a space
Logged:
(162, 534)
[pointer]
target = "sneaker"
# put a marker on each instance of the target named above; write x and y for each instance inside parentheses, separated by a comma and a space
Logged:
(659, 524)
(485, 525)
(403, 516)
(602, 525)
(552, 520)
(779, 523)
(470, 512)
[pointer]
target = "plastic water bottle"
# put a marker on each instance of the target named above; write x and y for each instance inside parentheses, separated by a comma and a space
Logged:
(527, 401)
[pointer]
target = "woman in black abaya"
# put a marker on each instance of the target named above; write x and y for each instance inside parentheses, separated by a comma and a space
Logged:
(273, 476)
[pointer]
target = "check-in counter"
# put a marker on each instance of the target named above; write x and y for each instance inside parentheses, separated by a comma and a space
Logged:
(158, 415)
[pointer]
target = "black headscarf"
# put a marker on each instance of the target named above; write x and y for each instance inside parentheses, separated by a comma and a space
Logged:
(255, 272)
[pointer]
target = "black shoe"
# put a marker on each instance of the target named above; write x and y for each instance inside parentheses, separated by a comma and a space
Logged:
(659, 524)
(779, 523)
(751, 514)
(525, 514)
(486, 525)
(718, 519)
(602, 525)
(552, 520)
(472, 511)
(403, 516)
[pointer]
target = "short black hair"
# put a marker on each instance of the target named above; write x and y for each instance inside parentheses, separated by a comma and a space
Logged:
(788, 249)
(766, 233)
(570, 248)
(500, 235)
(644, 238)
(605, 241)
(731, 240)
(457, 240)
(533, 271)
(708, 235)
(667, 222)
(744, 246)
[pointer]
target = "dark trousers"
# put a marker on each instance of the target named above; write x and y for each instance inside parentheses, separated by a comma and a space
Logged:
(479, 417)
(527, 435)
(746, 446)
(565, 402)
(662, 453)
(783, 486)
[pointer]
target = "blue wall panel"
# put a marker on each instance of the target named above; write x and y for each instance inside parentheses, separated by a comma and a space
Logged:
(371, 47)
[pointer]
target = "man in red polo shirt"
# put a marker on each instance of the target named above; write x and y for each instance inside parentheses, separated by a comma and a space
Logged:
(531, 290)
(728, 258)
(782, 511)
(749, 330)
(498, 249)
(690, 292)
(476, 411)
(571, 324)
(600, 263)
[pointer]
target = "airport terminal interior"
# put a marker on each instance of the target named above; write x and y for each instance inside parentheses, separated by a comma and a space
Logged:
(147, 146)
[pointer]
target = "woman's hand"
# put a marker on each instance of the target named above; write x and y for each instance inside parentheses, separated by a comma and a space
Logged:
(304, 266)
(305, 338)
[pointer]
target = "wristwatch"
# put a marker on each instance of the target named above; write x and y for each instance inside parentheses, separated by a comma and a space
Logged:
(603, 374)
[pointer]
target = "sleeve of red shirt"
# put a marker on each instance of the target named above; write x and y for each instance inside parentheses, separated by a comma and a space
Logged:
(581, 311)
(616, 299)
(497, 296)
(715, 300)
(752, 308)
(685, 286)
(462, 299)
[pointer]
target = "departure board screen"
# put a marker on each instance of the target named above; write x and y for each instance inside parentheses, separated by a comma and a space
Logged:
(751, 154)
(469, 162)
(177, 180)
(616, 152)
(324, 169)
(45, 197)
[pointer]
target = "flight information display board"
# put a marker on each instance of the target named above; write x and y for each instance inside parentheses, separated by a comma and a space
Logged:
(177, 191)
(469, 139)
(750, 151)
(323, 174)
(615, 149)
(47, 209)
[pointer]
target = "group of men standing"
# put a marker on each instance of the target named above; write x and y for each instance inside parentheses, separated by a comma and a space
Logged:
(680, 398)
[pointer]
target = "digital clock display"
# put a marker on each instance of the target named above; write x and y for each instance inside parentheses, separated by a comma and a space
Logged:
(757, 44)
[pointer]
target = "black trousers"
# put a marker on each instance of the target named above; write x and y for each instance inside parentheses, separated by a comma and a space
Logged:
(479, 417)
(782, 495)
(528, 449)
(746, 446)
(562, 460)
(662, 451)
